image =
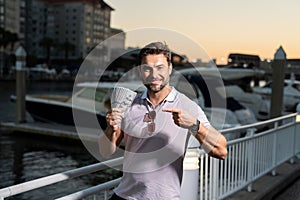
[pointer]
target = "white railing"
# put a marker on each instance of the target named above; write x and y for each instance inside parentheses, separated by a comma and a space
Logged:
(250, 157)
(55, 178)
(266, 145)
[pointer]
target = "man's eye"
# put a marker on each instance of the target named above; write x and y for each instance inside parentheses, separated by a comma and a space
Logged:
(146, 68)
(161, 67)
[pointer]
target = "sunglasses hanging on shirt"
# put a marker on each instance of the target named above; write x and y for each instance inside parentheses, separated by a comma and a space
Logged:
(151, 124)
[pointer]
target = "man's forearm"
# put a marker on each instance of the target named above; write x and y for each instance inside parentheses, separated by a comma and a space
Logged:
(212, 141)
(108, 142)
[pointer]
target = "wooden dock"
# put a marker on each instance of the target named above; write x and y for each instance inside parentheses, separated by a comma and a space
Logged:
(54, 130)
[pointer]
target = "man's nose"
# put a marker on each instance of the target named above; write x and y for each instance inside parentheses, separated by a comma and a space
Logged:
(154, 72)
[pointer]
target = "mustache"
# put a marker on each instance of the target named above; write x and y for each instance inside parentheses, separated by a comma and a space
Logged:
(148, 81)
(153, 90)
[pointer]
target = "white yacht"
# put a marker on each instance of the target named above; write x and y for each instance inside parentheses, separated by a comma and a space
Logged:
(291, 93)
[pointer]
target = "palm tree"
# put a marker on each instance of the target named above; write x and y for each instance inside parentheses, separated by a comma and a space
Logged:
(47, 42)
(6, 38)
(12, 38)
(67, 47)
(2, 44)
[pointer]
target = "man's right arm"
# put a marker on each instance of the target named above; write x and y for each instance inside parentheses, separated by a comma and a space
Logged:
(113, 135)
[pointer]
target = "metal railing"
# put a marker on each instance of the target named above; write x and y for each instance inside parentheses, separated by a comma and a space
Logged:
(250, 157)
(265, 146)
(55, 178)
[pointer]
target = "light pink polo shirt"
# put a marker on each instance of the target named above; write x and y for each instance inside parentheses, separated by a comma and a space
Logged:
(153, 161)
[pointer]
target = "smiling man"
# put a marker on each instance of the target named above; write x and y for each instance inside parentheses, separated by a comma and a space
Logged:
(156, 129)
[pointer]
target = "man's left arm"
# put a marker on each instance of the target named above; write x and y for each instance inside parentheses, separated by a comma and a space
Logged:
(211, 140)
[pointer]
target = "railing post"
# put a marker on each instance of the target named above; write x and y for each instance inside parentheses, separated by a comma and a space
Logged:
(250, 133)
(296, 153)
(105, 195)
(274, 154)
(201, 176)
(292, 160)
(214, 174)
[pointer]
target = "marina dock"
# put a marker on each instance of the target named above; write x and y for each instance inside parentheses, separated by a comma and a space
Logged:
(53, 130)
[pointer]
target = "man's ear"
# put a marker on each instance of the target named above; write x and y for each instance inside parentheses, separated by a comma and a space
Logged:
(170, 68)
(139, 71)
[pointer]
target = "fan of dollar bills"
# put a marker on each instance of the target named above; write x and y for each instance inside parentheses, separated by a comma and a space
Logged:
(122, 98)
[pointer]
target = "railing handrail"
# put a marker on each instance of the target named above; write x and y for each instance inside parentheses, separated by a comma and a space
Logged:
(257, 124)
(92, 190)
(234, 141)
(55, 178)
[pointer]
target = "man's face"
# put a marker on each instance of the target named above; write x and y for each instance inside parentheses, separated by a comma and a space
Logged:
(155, 72)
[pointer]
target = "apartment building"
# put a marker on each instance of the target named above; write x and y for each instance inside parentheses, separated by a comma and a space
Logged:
(10, 15)
(81, 23)
(11, 21)
(53, 31)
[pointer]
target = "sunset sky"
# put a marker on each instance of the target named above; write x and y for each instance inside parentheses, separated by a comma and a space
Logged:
(221, 27)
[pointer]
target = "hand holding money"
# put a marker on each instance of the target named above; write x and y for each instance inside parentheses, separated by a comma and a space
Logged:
(121, 99)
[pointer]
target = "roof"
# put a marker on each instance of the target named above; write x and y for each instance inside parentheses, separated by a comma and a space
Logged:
(105, 5)
(243, 55)
(101, 2)
(116, 30)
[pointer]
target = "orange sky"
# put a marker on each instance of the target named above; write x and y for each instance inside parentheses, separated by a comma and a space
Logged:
(220, 27)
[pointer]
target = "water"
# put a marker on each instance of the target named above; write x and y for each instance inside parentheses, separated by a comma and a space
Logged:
(25, 157)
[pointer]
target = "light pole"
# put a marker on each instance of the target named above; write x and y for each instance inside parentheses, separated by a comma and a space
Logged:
(20, 83)
(278, 75)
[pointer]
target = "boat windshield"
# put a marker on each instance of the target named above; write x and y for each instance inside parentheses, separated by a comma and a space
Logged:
(90, 93)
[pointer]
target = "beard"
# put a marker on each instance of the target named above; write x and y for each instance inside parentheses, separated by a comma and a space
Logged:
(155, 89)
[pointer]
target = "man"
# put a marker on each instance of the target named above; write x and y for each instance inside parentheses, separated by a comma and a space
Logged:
(156, 129)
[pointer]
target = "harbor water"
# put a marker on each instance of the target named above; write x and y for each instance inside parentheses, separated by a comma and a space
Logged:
(24, 157)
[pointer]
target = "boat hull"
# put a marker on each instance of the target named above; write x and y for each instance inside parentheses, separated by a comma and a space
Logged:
(62, 114)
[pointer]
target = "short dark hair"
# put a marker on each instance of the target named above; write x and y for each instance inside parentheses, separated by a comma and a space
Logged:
(155, 48)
